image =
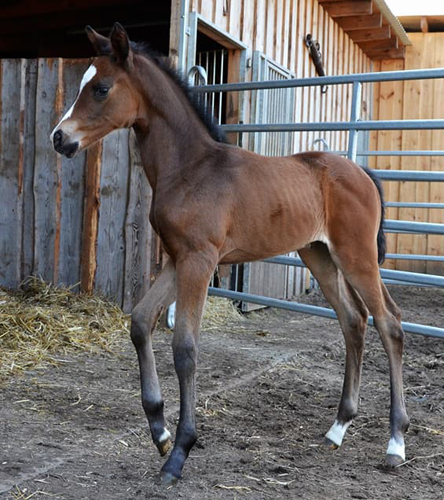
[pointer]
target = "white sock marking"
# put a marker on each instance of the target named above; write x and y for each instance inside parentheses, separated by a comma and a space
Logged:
(165, 435)
(337, 432)
(87, 77)
(396, 448)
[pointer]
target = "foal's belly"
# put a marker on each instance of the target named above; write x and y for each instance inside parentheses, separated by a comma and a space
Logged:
(254, 243)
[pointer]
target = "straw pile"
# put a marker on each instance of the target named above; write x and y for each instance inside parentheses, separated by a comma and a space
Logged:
(41, 321)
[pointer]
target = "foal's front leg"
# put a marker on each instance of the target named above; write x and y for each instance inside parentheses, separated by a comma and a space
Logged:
(144, 319)
(193, 276)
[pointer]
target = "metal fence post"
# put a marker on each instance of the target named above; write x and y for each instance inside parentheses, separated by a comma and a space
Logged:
(355, 116)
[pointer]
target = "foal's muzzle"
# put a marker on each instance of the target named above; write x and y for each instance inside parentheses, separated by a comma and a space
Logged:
(63, 146)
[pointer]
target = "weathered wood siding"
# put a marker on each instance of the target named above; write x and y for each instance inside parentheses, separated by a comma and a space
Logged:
(277, 28)
(79, 221)
(417, 99)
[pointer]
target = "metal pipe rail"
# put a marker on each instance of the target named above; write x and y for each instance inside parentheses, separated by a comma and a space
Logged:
(412, 278)
(434, 124)
(383, 76)
(414, 227)
(410, 175)
(429, 331)
(413, 204)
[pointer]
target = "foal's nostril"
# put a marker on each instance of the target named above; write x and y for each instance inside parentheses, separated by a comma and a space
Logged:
(58, 138)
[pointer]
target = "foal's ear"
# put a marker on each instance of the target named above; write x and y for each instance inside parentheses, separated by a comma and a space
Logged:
(101, 44)
(121, 44)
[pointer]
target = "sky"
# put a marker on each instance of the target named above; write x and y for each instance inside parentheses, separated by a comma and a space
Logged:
(416, 8)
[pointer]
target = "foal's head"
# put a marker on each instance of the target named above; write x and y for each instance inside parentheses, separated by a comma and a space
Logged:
(108, 98)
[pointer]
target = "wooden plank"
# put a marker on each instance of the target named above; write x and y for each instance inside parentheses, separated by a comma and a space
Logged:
(11, 171)
(27, 257)
(410, 138)
(206, 9)
(369, 34)
(270, 29)
(425, 109)
(350, 8)
(72, 187)
(352, 23)
(47, 170)
(390, 100)
(260, 15)
(435, 243)
(387, 44)
(174, 31)
(138, 232)
(387, 53)
(113, 200)
(235, 18)
(293, 40)
(278, 31)
(91, 217)
(286, 33)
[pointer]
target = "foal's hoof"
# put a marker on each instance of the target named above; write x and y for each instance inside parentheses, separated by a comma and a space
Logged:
(329, 445)
(168, 479)
(393, 461)
(164, 443)
(164, 447)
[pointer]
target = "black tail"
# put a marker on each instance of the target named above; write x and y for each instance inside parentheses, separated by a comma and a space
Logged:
(381, 241)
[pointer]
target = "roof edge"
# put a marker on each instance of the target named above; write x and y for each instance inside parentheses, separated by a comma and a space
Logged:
(394, 22)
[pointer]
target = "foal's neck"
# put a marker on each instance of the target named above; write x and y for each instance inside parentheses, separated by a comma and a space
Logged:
(171, 137)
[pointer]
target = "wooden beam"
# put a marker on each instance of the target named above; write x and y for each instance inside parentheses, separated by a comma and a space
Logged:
(386, 54)
(387, 44)
(91, 218)
(350, 8)
(370, 34)
(353, 23)
(424, 24)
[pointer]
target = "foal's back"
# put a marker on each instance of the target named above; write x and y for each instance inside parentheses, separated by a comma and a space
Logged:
(281, 204)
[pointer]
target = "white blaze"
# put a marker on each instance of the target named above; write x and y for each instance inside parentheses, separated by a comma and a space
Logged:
(87, 77)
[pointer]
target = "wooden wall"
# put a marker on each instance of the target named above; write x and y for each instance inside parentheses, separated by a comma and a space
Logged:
(419, 99)
(80, 221)
(278, 28)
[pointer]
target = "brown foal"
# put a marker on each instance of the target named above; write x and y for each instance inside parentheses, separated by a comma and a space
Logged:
(324, 206)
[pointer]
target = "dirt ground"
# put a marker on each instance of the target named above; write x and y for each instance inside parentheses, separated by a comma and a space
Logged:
(269, 385)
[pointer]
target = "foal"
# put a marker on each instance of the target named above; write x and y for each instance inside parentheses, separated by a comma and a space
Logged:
(324, 206)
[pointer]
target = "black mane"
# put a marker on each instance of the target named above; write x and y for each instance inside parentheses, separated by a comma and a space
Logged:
(196, 101)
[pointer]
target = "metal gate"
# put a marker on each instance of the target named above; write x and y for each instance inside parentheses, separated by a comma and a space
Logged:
(354, 127)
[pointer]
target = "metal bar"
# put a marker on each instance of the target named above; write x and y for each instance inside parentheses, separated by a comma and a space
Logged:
(392, 153)
(355, 116)
(413, 204)
(416, 227)
(429, 331)
(417, 278)
(383, 76)
(403, 256)
(397, 153)
(434, 124)
(410, 175)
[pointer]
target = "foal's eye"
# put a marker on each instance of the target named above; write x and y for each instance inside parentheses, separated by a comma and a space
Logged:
(101, 92)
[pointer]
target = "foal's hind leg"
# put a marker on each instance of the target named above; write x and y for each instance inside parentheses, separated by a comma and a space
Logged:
(362, 272)
(144, 319)
(352, 315)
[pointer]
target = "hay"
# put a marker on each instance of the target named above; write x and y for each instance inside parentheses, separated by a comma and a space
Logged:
(218, 312)
(41, 321)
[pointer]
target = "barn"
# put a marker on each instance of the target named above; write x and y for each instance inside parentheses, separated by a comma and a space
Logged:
(84, 223)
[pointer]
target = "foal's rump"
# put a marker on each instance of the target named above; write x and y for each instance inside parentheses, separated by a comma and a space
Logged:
(353, 203)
